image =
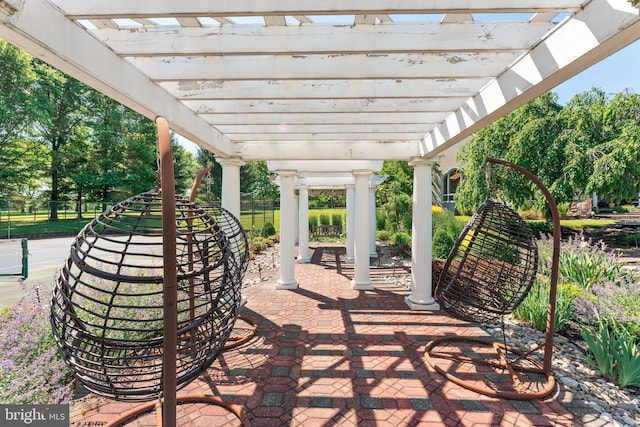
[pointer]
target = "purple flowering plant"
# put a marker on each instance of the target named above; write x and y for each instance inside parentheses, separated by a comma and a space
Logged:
(31, 370)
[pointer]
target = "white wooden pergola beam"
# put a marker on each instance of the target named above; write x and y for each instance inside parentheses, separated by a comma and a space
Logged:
(315, 89)
(328, 150)
(325, 67)
(323, 105)
(42, 30)
(321, 39)
(603, 27)
(328, 136)
(329, 118)
(87, 9)
(322, 128)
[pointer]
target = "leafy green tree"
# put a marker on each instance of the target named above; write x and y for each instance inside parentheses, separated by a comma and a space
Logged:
(185, 166)
(20, 157)
(206, 159)
(617, 168)
(255, 180)
(59, 105)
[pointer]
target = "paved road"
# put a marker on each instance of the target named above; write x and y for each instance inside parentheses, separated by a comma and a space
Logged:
(46, 256)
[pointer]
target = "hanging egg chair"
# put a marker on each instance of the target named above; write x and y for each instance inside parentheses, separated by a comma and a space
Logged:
(489, 272)
(491, 266)
(107, 306)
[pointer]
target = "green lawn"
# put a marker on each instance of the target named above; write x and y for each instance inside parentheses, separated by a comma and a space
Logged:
(29, 223)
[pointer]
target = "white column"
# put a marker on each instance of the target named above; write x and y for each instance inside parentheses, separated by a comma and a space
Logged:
(287, 230)
(303, 224)
(231, 184)
(351, 194)
(296, 198)
(421, 297)
(361, 280)
(373, 253)
(374, 181)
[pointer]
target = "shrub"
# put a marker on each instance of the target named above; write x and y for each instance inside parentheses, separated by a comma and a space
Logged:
(446, 220)
(336, 219)
(380, 220)
(325, 219)
(268, 230)
(400, 240)
(313, 222)
(582, 262)
(535, 307)
(563, 209)
(633, 239)
(541, 228)
(31, 370)
(383, 235)
(614, 303)
(442, 244)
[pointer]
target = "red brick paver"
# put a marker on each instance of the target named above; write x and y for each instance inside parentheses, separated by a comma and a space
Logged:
(326, 354)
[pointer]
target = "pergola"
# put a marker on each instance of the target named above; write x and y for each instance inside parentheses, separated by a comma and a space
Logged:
(333, 81)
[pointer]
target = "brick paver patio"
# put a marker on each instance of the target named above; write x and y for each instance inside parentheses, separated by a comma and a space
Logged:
(325, 354)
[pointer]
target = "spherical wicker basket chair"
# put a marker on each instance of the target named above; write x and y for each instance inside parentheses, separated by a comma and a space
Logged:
(107, 305)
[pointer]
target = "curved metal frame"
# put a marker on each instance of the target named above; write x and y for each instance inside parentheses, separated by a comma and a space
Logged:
(545, 368)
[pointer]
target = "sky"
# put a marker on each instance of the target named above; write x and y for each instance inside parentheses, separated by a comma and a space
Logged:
(618, 72)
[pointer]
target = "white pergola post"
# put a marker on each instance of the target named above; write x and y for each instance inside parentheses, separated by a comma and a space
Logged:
(373, 184)
(373, 253)
(287, 230)
(296, 198)
(351, 194)
(361, 280)
(303, 224)
(231, 184)
(421, 297)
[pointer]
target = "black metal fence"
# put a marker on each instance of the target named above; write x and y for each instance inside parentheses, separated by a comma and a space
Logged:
(20, 217)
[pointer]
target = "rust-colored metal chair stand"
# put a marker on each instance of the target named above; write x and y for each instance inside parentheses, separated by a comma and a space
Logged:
(147, 299)
(489, 272)
(247, 328)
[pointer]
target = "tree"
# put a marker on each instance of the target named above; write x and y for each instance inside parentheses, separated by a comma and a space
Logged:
(59, 105)
(20, 156)
(616, 168)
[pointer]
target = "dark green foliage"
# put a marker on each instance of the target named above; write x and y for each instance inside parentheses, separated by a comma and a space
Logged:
(400, 241)
(589, 145)
(313, 222)
(268, 230)
(541, 228)
(336, 219)
(325, 219)
(442, 244)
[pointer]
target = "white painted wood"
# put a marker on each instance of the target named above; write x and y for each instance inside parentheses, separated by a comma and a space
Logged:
(351, 217)
(328, 150)
(322, 39)
(327, 118)
(288, 215)
(317, 89)
(230, 198)
(361, 279)
(303, 224)
(326, 67)
(603, 27)
(163, 8)
(421, 297)
(324, 106)
(314, 137)
(42, 30)
(280, 128)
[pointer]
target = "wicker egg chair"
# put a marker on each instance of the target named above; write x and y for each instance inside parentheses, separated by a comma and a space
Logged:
(489, 272)
(491, 267)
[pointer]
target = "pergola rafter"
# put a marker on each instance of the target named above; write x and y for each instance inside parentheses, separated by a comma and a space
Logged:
(413, 77)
